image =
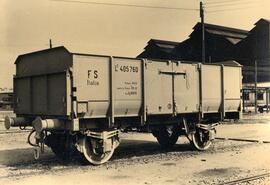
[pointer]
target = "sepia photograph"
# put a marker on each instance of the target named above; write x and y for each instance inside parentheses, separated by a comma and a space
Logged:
(135, 92)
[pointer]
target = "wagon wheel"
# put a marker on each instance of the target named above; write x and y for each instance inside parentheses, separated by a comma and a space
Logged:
(201, 140)
(61, 147)
(60, 152)
(166, 136)
(95, 155)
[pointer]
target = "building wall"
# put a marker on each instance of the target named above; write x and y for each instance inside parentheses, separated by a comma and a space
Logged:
(220, 46)
(255, 47)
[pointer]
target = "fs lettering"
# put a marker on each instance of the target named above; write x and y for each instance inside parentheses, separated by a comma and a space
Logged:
(93, 74)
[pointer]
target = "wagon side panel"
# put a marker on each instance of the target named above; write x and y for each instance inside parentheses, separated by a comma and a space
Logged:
(58, 93)
(232, 86)
(91, 77)
(22, 95)
(43, 95)
(211, 88)
(186, 88)
(158, 88)
(127, 84)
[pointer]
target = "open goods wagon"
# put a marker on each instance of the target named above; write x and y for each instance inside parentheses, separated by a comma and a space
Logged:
(79, 103)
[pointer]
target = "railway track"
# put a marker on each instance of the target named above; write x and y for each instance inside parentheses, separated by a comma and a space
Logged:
(246, 179)
(14, 132)
(244, 140)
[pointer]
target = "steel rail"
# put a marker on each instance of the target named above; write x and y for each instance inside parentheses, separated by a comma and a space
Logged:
(239, 139)
(246, 179)
(15, 131)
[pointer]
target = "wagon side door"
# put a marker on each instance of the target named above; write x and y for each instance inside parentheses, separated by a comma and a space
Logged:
(186, 87)
(158, 88)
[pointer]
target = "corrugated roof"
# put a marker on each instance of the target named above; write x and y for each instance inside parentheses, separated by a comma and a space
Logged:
(233, 40)
(262, 20)
(231, 34)
(166, 46)
(163, 44)
(227, 33)
(221, 28)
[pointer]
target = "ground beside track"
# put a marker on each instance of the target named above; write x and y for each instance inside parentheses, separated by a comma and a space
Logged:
(139, 160)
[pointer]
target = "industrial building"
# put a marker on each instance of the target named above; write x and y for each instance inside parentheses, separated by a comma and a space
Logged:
(158, 49)
(222, 43)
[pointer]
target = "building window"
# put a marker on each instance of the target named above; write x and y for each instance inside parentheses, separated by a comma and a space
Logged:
(260, 96)
(246, 95)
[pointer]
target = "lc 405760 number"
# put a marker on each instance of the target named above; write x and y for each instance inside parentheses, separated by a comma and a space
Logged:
(132, 69)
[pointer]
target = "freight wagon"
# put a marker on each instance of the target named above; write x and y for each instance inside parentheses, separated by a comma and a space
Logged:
(249, 101)
(79, 103)
(6, 101)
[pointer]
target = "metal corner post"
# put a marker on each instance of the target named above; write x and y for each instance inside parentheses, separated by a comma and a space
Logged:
(222, 93)
(111, 89)
(203, 31)
(144, 117)
(200, 92)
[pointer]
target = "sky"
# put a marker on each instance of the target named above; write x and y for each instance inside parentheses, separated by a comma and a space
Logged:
(110, 29)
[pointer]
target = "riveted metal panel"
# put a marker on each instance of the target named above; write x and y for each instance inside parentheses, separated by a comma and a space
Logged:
(158, 88)
(22, 95)
(58, 94)
(232, 86)
(127, 86)
(91, 79)
(211, 88)
(186, 87)
(41, 95)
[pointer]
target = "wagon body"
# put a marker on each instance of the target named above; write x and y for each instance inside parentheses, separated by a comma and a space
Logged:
(57, 83)
(80, 102)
